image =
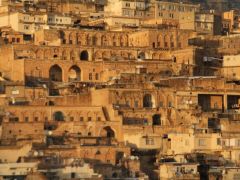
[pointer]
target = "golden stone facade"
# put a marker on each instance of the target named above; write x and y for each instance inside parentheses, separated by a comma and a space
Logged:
(92, 99)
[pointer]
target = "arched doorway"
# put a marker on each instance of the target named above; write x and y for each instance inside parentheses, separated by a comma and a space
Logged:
(55, 73)
(84, 56)
(148, 101)
(74, 73)
(107, 132)
(58, 116)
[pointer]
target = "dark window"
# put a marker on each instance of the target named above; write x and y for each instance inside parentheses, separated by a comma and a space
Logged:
(90, 76)
(84, 56)
(96, 76)
(26, 119)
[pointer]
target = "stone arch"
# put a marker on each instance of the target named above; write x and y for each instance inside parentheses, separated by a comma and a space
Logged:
(39, 54)
(84, 56)
(161, 56)
(170, 101)
(107, 132)
(72, 55)
(181, 42)
(115, 55)
(109, 40)
(74, 73)
(55, 73)
(62, 34)
(58, 116)
(166, 40)
(155, 56)
(142, 55)
(115, 40)
(90, 131)
(161, 100)
(98, 55)
(124, 55)
(172, 44)
(106, 55)
(25, 116)
(131, 56)
(79, 38)
(70, 115)
(90, 114)
(98, 39)
(148, 101)
(72, 38)
(124, 40)
(89, 39)
(47, 53)
(64, 55)
(55, 56)
(104, 40)
(159, 41)
(37, 116)
(94, 40)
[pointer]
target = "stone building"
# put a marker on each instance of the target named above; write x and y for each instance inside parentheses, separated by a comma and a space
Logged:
(130, 98)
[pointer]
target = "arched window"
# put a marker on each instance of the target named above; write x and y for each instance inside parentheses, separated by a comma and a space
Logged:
(55, 73)
(171, 42)
(84, 56)
(74, 73)
(141, 55)
(58, 116)
(64, 55)
(107, 132)
(147, 101)
(104, 40)
(72, 55)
